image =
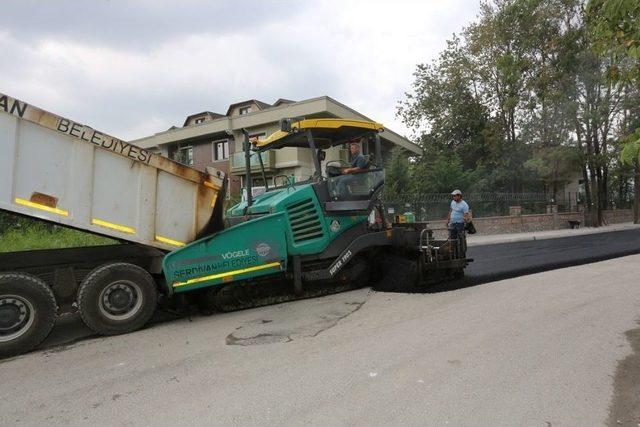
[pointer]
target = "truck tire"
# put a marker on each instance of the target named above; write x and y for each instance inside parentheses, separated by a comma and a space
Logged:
(27, 312)
(117, 298)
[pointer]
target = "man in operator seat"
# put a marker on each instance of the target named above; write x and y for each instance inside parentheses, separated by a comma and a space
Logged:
(358, 163)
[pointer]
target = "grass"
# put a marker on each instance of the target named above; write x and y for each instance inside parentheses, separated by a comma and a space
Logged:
(42, 236)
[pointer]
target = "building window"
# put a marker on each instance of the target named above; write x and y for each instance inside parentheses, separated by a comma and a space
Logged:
(244, 110)
(184, 155)
(199, 120)
(220, 150)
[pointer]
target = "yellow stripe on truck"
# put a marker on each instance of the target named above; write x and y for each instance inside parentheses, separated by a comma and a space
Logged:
(226, 274)
(113, 226)
(45, 208)
(169, 241)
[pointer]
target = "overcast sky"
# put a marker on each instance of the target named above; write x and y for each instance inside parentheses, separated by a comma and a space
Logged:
(134, 68)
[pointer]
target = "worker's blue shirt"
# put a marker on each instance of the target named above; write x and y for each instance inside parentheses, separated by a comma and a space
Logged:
(458, 209)
(358, 161)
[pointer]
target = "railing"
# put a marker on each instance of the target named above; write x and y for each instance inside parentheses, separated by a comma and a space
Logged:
(434, 206)
(238, 162)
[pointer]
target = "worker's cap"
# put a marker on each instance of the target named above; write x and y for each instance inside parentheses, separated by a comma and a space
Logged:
(456, 193)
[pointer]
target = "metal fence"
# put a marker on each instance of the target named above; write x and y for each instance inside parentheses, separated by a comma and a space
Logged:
(435, 206)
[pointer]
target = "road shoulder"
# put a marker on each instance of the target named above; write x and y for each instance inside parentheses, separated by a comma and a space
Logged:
(543, 235)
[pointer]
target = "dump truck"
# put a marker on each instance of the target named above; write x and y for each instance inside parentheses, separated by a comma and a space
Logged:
(296, 240)
(60, 171)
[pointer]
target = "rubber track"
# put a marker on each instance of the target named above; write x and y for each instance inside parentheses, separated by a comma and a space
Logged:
(220, 305)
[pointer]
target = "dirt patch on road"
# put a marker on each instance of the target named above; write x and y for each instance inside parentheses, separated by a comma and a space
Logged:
(625, 406)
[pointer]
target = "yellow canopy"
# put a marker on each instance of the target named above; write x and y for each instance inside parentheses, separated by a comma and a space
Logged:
(326, 132)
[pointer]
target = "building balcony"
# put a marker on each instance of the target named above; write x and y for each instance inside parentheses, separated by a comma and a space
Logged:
(238, 162)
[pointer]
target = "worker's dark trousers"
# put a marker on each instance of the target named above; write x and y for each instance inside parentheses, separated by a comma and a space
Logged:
(455, 230)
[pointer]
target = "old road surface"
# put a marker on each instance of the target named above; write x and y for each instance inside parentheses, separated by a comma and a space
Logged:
(492, 262)
(561, 347)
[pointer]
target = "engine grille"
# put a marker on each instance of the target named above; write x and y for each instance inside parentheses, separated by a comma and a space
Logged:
(304, 220)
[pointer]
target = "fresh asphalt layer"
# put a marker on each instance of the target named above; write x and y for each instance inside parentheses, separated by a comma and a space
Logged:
(505, 260)
(493, 261)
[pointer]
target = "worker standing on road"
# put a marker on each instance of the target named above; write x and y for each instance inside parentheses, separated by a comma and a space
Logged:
(458, 215)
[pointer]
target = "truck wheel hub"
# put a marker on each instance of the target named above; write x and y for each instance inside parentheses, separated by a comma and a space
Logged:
(120, 300)
(16, 316)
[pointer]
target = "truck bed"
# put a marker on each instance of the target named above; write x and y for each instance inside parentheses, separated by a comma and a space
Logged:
(61, 171)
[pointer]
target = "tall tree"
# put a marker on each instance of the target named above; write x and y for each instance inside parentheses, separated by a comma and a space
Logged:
(555, 166)
(499, 46)
(523, 99)
(397, 174)
(614, 26)
(446, 112)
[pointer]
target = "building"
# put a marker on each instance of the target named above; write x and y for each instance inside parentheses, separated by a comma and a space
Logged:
(212, 139)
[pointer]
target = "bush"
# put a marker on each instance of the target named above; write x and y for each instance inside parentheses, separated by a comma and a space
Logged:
(22, 234)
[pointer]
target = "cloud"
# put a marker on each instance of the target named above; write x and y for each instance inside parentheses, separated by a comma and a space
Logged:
(136, 68)
(132, 25)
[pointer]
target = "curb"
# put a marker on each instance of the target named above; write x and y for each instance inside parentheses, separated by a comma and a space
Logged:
(506, 238)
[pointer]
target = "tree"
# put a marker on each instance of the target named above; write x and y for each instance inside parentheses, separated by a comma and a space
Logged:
(555, 166)
(397, 174)
(631, 156)
(522, 99)
(441, 174)
(615, 27)
(590, 103)
(445, 111)
(497, 48)
(444, 106)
